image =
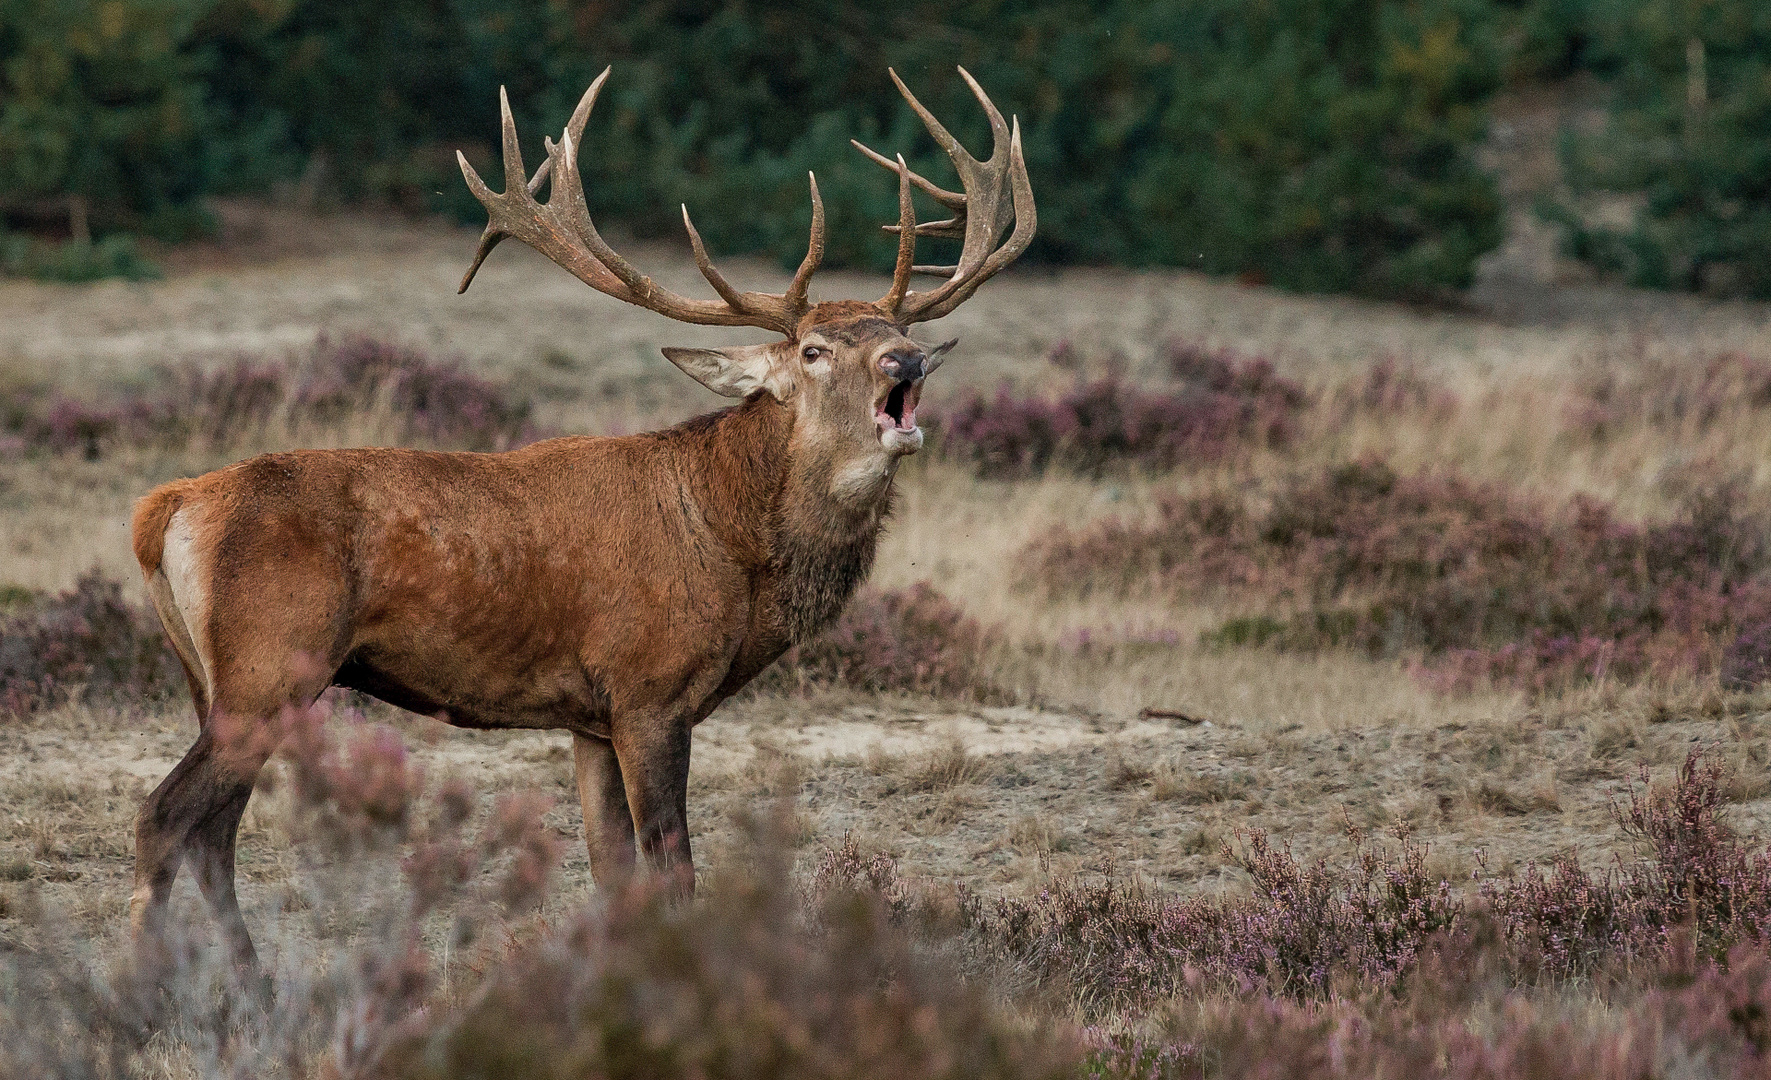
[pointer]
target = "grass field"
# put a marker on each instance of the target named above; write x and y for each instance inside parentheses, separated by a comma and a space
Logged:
(1238, 637)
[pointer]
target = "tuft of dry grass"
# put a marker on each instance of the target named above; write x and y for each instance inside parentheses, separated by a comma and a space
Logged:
(1494, 798)
(945, 767)
(1190, 787)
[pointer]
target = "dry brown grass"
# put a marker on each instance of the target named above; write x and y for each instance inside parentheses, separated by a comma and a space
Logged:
(949, 765)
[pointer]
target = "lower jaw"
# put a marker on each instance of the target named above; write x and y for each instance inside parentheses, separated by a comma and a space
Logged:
(898, 441)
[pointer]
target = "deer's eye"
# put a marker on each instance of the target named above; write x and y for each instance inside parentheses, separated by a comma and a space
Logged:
(810, 352)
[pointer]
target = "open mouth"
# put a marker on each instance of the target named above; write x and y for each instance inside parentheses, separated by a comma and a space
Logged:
(898, 411)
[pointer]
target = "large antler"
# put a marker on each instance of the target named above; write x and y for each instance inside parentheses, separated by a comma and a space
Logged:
(561, 229)
(997, 192)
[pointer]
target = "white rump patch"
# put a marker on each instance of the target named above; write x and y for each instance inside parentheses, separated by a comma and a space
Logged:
(187, 586)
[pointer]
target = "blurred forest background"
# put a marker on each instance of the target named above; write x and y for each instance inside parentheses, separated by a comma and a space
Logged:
(1319, 145)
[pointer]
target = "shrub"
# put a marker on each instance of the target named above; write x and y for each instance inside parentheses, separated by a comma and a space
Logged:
(1359, 177)
(331, 1007)
(427, 400)
(1456, 1022)
(1370, 965)
(1483, 583)
(1690, 134)
(1747, 661)
(1683, 398)
(88, 643)
(1304, 931)
(909, 641)
(1225, 405)
(731, 987)
(439, 402)
(74, 260)
(1694, 877)
(1391, 386)
(104, 127)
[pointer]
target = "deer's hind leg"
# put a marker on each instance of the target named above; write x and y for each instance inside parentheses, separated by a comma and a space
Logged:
(194, 815)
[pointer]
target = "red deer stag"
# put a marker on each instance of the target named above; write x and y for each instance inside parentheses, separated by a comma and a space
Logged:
(616, 588)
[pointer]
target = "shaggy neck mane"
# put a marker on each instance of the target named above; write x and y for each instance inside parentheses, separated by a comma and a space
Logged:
(811, 549)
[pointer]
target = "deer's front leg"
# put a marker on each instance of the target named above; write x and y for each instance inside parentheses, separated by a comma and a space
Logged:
(608, 824)
(653, 754)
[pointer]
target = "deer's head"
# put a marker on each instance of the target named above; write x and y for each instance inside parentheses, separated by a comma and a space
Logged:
(851, 374)
(848, 369)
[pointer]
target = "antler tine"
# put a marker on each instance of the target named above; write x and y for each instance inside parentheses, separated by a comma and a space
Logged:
(573, 190)
(714, 277)
(494, 233)
(953, 228)
(960, 287)
(580, 114)
(998, 126)
(962, 158)
(490, 236)
(513, 164)
(906, 242)
(997, 192)
(943, 138)
(562, 230)
(574, 128)
(952, 200)
(515, 176)
(802, 278)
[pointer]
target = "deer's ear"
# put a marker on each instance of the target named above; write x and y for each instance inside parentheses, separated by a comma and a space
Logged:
(937, 354)
(736, 372)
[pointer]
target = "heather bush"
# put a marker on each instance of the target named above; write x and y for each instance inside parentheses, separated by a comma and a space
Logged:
(1223, 406)
(331, 1006)
(1693, 876)
(87, 643)
(1452, 1021)
(1682, 398)
(845, 874)
(1391, 386)
(730, 987)
(423, 400)
(439, 402)
(1369, 965)
(1747, 661)
(1306, 930)
(895, 641)
(1479, 582)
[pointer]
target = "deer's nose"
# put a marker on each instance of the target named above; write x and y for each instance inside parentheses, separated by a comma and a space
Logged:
(903, 364)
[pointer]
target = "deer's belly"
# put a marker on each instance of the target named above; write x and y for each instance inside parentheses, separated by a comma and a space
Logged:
(481, 694)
